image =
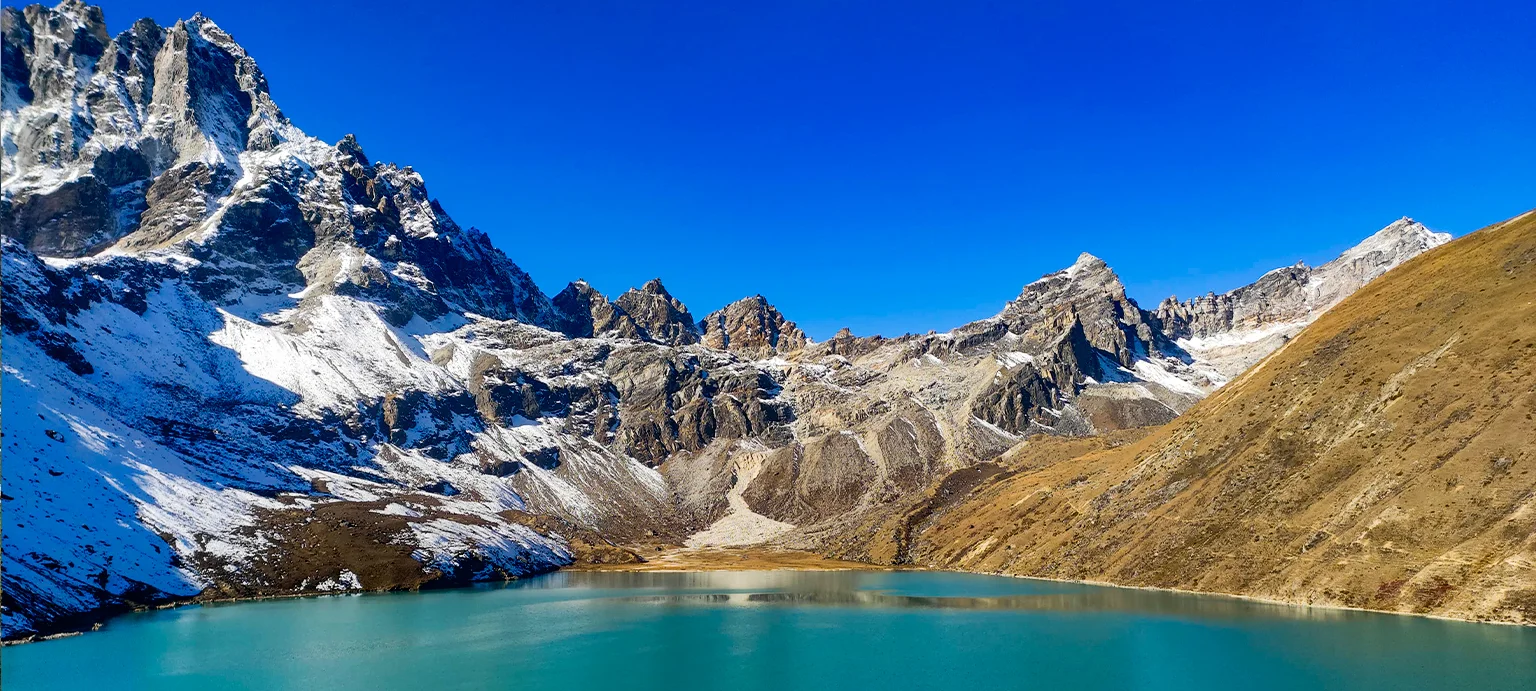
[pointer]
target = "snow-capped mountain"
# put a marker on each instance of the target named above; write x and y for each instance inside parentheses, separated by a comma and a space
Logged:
(239, 360)
(1234, 330)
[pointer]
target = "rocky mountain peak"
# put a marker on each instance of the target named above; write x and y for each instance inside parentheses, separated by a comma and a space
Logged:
(1088, 274)
(1391, 245)
(170, 144)
(348, 146)
(1398, 242)
(660, 317)
(83, 25)
(1089, 289)
(1086, 262)
(752, 327)
(654, 287)
(210, 92)
(583, 312)
(90, 123)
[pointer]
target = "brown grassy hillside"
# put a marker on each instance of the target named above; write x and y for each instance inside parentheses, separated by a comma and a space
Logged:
(1385, 458)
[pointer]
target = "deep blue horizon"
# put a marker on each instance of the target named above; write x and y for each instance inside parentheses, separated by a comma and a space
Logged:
(894, 168)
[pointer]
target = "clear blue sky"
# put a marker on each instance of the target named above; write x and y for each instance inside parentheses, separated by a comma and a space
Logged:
(897, 167)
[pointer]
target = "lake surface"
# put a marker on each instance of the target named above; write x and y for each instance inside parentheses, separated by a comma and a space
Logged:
(775, 631)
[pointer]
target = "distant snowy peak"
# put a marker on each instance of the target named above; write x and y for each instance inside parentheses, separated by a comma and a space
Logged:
(1403, 239)
(1298, 293)
(1076, 353)
(1085, 264)
(1088, 278)
(1234, 330)
(1400, 241)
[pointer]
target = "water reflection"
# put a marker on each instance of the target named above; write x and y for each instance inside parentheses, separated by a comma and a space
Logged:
(878, 590)
(769, 631)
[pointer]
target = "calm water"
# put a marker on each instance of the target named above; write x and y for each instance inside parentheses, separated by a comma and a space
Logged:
(775, 631)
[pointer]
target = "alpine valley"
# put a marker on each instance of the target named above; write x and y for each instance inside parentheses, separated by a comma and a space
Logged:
(240, 361)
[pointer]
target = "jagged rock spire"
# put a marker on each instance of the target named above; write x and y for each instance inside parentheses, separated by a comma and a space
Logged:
(1110, 319)
(660, 317)
(584, 313)
(752, 327)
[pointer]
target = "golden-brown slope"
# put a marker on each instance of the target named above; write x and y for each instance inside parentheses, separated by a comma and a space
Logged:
(1385, 458)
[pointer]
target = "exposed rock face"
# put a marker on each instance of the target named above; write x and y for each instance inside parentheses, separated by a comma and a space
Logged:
(585, 313)
(140, 140)
(660, 317)
(681, 401)
(1071, 333)
(246, 340)
(1070, 328)
(74, 218)
(1110, 321)
(649, 313)
(752, 327)
(831, 475)
(1374, 462)
(123, 110)
(1278, 297)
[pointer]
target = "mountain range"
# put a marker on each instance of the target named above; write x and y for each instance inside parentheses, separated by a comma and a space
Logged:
(1381, 459)
(239, 361)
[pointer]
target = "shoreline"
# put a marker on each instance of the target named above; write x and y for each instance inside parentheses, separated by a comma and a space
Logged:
(1249, 598)
(753, 552)
(109, 613)
(746, 558)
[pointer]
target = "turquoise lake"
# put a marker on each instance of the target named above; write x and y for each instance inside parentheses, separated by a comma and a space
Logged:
(776, 631)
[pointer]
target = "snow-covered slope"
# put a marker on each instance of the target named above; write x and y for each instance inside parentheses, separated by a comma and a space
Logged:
(155, 445)
(225, 342)
(239, 361)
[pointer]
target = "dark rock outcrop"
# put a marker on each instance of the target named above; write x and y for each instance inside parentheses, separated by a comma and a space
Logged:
(672, 401)
(582, 312)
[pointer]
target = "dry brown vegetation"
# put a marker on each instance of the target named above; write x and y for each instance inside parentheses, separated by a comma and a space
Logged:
(587, 547)
(1384, 459)
(319, 543)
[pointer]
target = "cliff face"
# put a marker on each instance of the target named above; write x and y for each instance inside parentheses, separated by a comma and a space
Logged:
(753, 327)
(1385, 458)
